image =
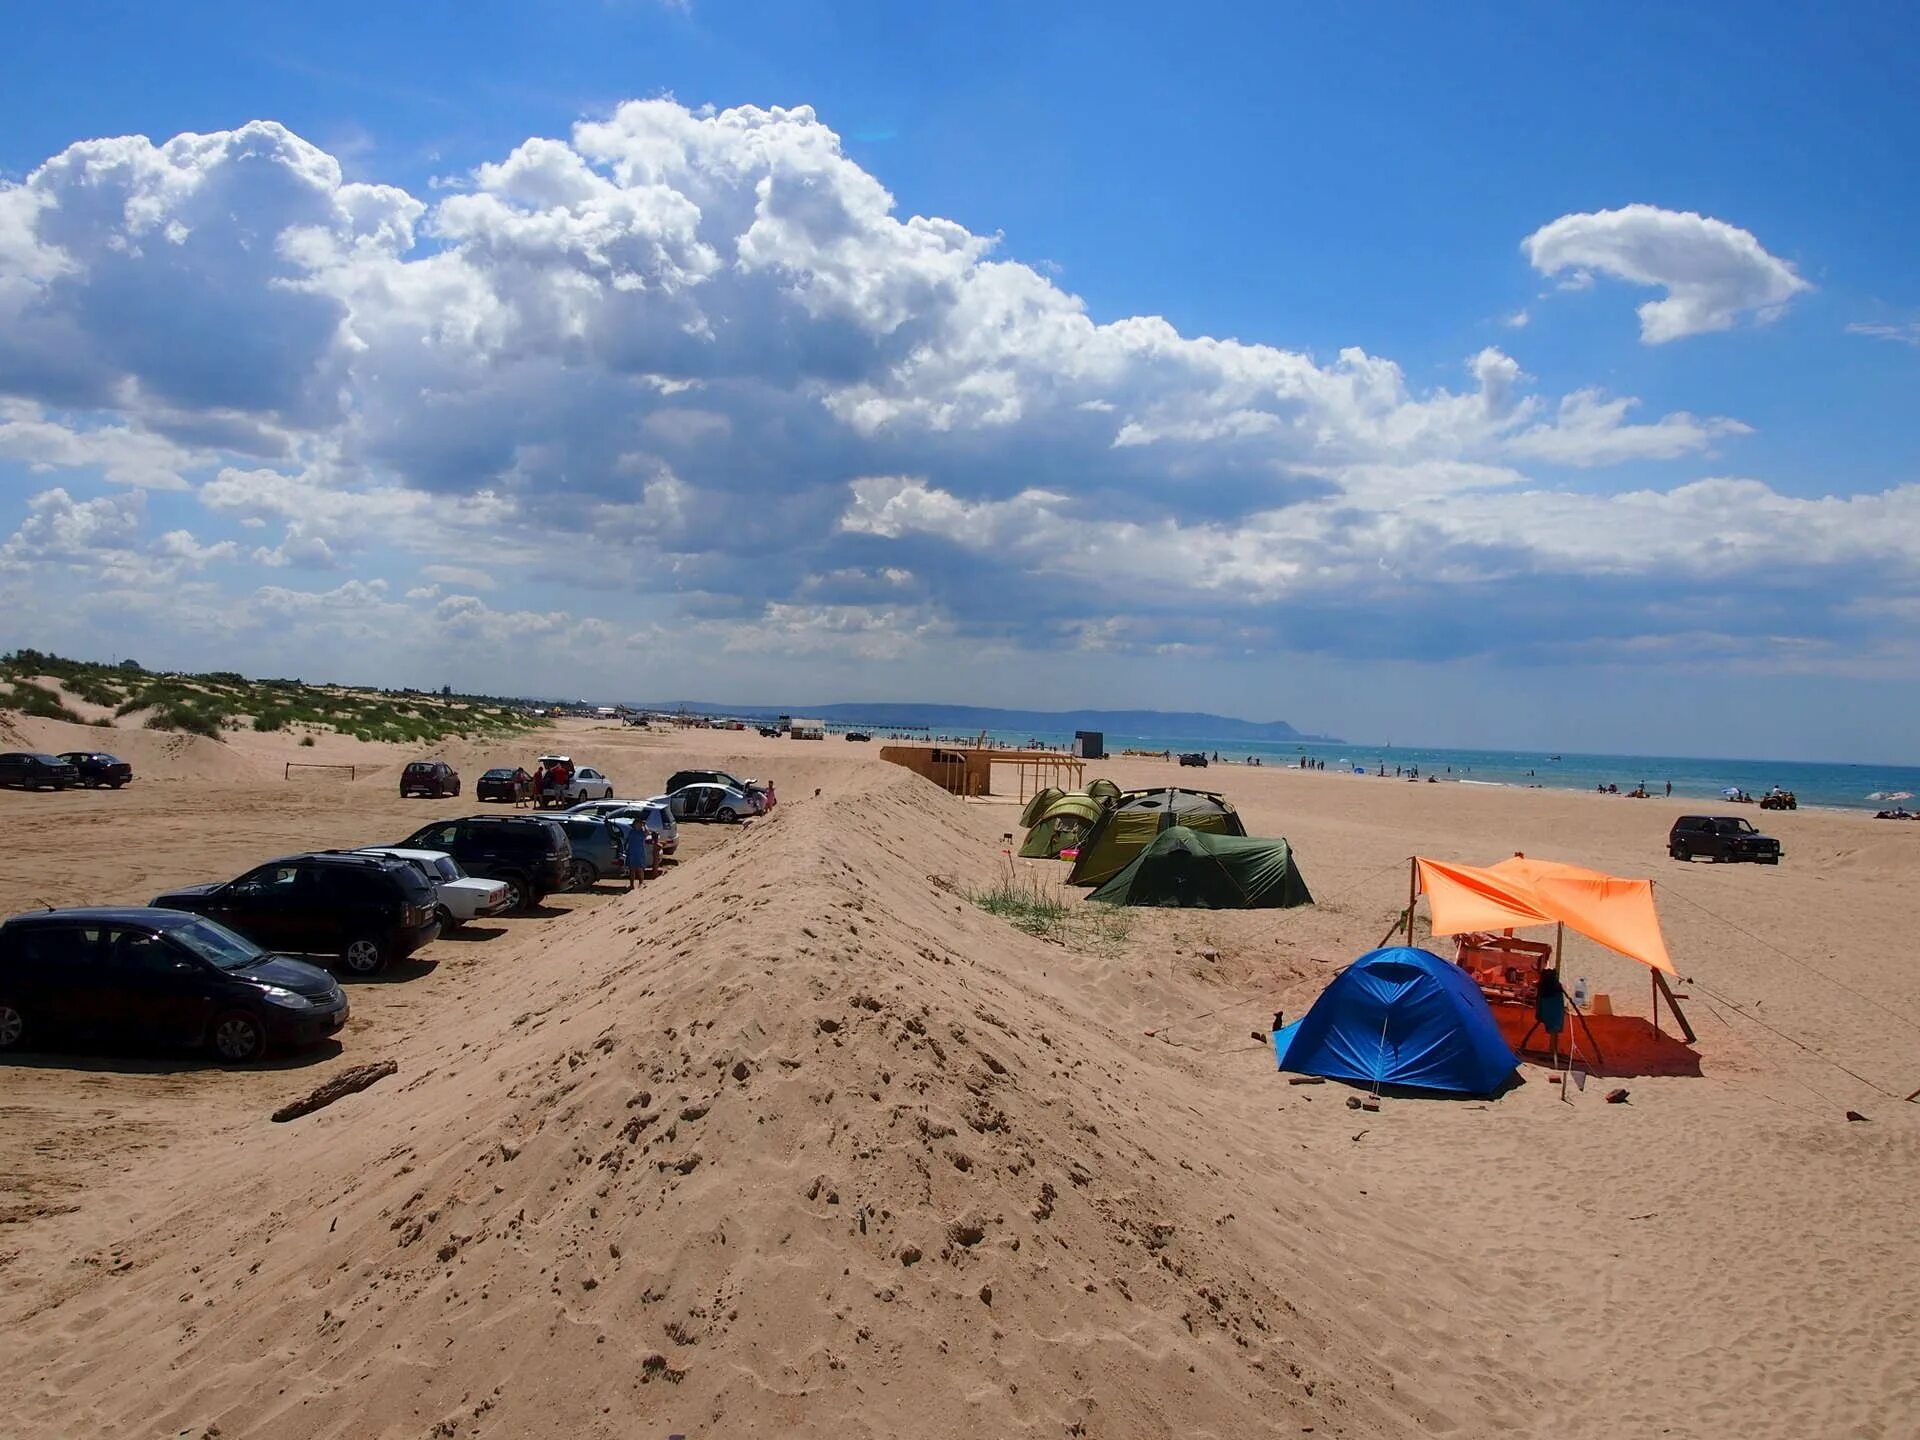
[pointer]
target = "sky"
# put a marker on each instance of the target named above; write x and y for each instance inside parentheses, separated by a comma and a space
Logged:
(1469, 375)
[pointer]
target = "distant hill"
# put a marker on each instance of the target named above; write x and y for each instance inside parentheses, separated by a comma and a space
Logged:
(1175, 724)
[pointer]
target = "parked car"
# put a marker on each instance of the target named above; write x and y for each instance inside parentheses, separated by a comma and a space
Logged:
(1721, 837)
(754, 789)
(587, 783)
(858, 735)
(1194, 757)
(598, 846)
(31, 770)
(513, 785)
(461, 897)
(655, 815)
(361, 909)
(710, 802)
(157, 977)
(96, 767)
(434, 778)
(526, 853)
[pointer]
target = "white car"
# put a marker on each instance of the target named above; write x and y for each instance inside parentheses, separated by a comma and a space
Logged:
(709, 802)
(656, 815)
(587, 783)
(459, 896)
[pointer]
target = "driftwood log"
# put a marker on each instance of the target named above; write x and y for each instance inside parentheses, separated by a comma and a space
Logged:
(347, 1082)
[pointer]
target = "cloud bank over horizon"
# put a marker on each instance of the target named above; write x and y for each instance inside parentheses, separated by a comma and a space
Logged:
(685, 390)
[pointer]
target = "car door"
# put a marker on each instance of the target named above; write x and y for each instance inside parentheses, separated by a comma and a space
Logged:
(161, 995)
(11, 769)
(64, 979)
(265, 905)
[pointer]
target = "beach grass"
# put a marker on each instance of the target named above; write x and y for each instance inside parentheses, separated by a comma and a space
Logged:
(1028, 903)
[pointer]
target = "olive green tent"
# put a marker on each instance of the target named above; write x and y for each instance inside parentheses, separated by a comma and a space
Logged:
(1212, 872)
(1038, 804)
(1129, 827)
(1063, 823)
(1104, 790)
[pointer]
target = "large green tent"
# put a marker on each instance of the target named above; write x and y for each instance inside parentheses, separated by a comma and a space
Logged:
(1065, 822)
(1038, 804)
(1212, 872)
(1130, 826)
(1104, 790)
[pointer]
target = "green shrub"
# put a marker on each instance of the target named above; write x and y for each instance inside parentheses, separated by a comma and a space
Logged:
(306, 740)
(187, 719)
(32, 699)
(270, 720)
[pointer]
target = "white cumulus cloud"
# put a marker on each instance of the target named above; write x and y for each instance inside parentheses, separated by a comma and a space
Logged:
(1714, 273)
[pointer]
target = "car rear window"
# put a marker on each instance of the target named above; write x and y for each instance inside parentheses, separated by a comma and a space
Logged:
(413, 885)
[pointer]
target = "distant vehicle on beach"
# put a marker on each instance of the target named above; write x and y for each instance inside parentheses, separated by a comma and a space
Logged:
(1194, 757)
(512, 784)
(433, 778)
(1721, 837)
(96, 768)
(709, 802)
(31, 770)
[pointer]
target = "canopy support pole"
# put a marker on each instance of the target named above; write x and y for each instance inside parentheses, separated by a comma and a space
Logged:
(1413, 896)
(1660, 987)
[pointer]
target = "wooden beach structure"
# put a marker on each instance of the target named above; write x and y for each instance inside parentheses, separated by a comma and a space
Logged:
(967, 770)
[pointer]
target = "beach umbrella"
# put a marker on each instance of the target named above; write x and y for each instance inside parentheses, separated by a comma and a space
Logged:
(1732, 792)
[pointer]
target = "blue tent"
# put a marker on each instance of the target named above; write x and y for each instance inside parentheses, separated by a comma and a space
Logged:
(1400, 1016)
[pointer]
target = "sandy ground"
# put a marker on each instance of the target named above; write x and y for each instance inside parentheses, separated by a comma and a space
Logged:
(797, 1141)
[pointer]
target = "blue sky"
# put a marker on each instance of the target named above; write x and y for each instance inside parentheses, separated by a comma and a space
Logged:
(1574, 357)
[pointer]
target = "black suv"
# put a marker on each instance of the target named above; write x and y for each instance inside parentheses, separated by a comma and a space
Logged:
(96, 767)
(157, 977)
(1721, 837)
(527, 853)
(365, 909)
(680, 779)
(31, 770)
(429, 777)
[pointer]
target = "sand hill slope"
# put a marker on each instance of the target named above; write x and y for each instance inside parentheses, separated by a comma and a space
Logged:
(807, 1145)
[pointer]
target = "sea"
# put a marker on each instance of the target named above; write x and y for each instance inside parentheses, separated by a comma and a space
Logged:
(1849, 787)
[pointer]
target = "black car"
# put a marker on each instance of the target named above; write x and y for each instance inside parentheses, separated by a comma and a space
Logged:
(1194, 757)
(157, 977)
(680, 779)
(1721, 837)
(527, 853)
(364, 909)
(31, 770)
(96, 767)
(429, 777)
(500, 783)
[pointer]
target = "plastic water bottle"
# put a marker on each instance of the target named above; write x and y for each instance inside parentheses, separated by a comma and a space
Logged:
(1580, 993)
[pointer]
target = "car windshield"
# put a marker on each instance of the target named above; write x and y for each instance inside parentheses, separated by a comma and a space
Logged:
(217, 945)
(1742, 827)
(448, 868)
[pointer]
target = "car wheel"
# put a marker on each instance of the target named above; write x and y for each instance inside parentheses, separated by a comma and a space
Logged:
(447, 922)
(584, 875)
(364, 956)
(516, 892)
(1682, 853)
(238, 1038)
(726, 815)
(13, 1026)
(116, 784)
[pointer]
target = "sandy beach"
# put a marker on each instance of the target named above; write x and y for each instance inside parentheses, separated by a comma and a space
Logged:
(798, 1141)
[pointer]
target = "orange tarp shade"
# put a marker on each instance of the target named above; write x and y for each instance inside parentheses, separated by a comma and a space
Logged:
(1518, 893)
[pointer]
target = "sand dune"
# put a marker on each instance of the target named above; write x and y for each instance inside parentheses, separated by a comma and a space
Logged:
(799, 1141)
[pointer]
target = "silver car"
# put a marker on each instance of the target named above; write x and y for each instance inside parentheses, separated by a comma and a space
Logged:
(656, 815)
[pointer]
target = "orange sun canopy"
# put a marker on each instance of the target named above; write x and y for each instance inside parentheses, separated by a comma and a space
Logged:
(1518, 893)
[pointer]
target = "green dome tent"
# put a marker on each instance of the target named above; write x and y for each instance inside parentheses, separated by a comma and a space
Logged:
(1212, 872)
(1129, 827)
(1063, 823)
(1038, 804)
(1105, 791)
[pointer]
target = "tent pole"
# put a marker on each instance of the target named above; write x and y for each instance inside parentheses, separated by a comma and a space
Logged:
(1413, 896)
(1654, 981)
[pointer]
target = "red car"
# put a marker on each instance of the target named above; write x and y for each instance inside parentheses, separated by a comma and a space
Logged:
(429, 777)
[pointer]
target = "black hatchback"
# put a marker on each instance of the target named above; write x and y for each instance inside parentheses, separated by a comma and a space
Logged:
(364, 909)
(31, 770)
(1721, 837)
(144, 977)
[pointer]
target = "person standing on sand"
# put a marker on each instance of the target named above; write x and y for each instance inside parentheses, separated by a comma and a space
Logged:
(1669, 789)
